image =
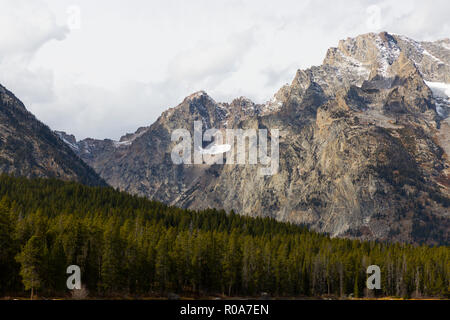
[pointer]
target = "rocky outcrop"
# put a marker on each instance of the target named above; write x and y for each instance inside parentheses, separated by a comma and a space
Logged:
(363, 150)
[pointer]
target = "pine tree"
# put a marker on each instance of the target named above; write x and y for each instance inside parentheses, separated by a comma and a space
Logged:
(356, 287)
(30, 259)
(129, 245)
(6, 246)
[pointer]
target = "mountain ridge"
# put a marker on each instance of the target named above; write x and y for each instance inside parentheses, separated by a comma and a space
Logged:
(29, 148)
(364, 152)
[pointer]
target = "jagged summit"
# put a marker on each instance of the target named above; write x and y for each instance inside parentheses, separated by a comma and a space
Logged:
(243, 101)
(197, 95)
(376, 52)
(353, 62)
(357, 60)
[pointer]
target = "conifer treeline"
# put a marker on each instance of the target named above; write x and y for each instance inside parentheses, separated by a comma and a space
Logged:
(126, 245)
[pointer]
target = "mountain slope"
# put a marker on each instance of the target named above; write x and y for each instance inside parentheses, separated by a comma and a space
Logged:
(363, 152)
(29, 148)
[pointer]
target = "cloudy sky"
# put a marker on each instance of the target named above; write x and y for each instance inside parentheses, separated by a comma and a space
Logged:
(105, 67)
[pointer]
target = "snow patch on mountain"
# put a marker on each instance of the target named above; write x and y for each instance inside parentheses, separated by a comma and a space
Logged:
(271, 106)
(72, 144)
(439, 89)
(122, 143)
(128, 139)
(446, 46)
(353, 66)
(215, 149)
(441, 92)
(425, 52)
(388, 53)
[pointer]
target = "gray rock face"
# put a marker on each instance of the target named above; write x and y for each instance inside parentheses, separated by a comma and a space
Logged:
(363, 151)
(29, 148)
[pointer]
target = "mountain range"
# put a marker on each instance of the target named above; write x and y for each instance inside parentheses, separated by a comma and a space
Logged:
(364, 147)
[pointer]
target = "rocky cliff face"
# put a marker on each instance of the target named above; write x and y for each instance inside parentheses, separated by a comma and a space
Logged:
(364, 150)
(29, 148)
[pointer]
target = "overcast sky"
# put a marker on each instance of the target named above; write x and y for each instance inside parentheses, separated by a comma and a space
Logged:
(106, 67)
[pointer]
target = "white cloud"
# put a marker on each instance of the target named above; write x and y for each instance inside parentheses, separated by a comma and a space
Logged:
(130, 61)
(211, 62)
(25, 27)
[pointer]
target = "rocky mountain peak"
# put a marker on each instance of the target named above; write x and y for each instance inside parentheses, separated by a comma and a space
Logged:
(366, 55)
(243, 101)
(365, 151)
(199, 97)
(373, 54)
(244, 105)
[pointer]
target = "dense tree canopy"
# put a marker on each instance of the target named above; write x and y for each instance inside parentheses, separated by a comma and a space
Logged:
(126, 245)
